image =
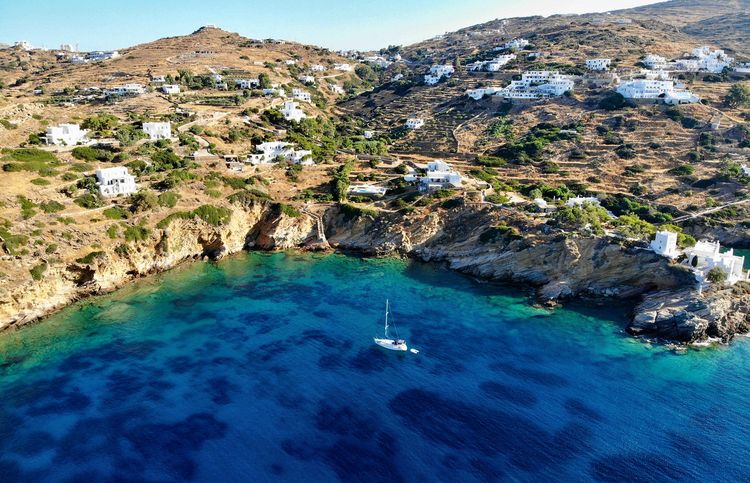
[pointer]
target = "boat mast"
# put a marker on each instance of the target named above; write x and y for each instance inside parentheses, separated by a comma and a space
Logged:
(386, 318)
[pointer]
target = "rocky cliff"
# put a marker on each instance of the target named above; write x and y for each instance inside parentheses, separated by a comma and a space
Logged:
(490, 244)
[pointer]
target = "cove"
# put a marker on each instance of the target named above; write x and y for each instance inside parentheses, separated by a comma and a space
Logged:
(261, 367)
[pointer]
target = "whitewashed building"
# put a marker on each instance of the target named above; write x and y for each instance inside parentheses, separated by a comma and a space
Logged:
(598, 64)
(656, 90)
(301, 95)
(271, 152)
(66, 135)
(157, 79)
(369, 134)
(115, 181)
(705, 256)
(582, 200)
(397, 77)
(705, 59)
(665, 244)
(127, 90)
(493, 65)
(439, 175)
(100, 55)
(414, 122)
(247, 83)
(170, 89)
(336, 89)
(306, 79)
(480, 92)
(538, 84)
(366, 190)
(377, 60)
(654, 62)
(515, 44)
(342, 67)
(318, 68)
(292, 112)
(157, 130)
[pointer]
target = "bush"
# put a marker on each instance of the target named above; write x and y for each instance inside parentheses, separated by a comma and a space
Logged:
(168, 199)
(351, 212)
(136, 233)
(37, 272)
(626, 151)
(287, 210)
(88, 201)
(716, 275)
(738, 96)
(499, 232)
(586, 216)
(51, 206)
(340, 180)
(682, 170)
(86, 260)
(213, 215)
(40, 182)
(451, 203)
(115, 213)
(87, 153)
(614, 102)
(143, 201)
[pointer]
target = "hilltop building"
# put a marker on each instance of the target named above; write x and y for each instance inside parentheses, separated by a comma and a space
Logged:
(170, 89)
(115, 181)
(157, 130)
(366, 190)
(414, 122)
(292, 112)
(705, 256)
(318, 68)
(437, 72)
(127, 90)
(598, 64)
(66, 135)
(306, 79)
(537, 84)
(247, 83)
(656, 91)
(271, 152)
(342, 67)
(439, 175)
(301, 95)
(654, 62)
(493, 65)
(665, 244)
(515, 44)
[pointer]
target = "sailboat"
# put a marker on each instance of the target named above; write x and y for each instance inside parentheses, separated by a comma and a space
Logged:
(386, 342)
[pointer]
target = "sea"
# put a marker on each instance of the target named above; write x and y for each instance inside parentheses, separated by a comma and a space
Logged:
(262, 368)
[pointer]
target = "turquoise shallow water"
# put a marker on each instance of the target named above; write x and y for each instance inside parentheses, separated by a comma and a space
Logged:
(262, 368)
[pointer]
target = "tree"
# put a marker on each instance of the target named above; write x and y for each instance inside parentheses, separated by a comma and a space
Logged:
(264, 81)
(738, 96)
(716, 275)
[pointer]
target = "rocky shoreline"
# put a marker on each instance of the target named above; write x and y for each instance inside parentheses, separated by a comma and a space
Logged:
(556, 266)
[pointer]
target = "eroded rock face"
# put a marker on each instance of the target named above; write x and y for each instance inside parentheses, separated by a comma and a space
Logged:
(557, 266)
(687, 316)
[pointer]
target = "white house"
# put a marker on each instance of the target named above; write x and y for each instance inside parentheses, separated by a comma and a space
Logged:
(414, 122)
(493, 65)
(66, 135)
(746, 169)
(397, 77)
(537, 84)
(318, 68)
(157, 130)
(306, 79)
(336, 89)
(367, 190)
(598, 64)
(705, 256)
(342, 67)
(705, 59)
(301, 95)
(290, 62)
(274, 91)
(115, 181)
(158, 79)
(270, 152)
(515, 44)
(654, 62)
(247, 83)
(480, 92)
(170, 89)
(665, 244)
(99, 55)
(292, 112)
(439, 175)
(378, 61)
(127, 90)
(369, 134)
(217, 77)
(663, 90)
(582, 200)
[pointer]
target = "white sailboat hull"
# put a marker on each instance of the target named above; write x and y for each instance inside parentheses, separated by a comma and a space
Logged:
(391, 344)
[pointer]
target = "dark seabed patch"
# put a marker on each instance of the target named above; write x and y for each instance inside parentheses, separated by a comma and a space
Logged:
(505, 392)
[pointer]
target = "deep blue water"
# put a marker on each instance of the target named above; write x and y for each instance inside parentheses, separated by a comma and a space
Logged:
(261, 368)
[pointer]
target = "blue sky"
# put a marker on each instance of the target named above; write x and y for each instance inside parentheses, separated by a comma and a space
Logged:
(337, 24)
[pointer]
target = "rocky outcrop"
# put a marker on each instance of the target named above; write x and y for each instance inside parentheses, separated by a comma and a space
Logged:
(490, 244)
(688, 316)
(254, 225)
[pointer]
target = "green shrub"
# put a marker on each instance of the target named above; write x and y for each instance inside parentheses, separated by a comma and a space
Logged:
(89, 201)
(351, 212)
(143, 201)
(499, 232)
(287, 210)
(112, 231)
(51, 206)
(683, 170)
(115, 213)
(88, 259)
(51, 248)
(716, 275)
(168, 199)
(40, 182)
(37, 272)
(136, 233)
(614, 102)
(451, 203)
(213, 215)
